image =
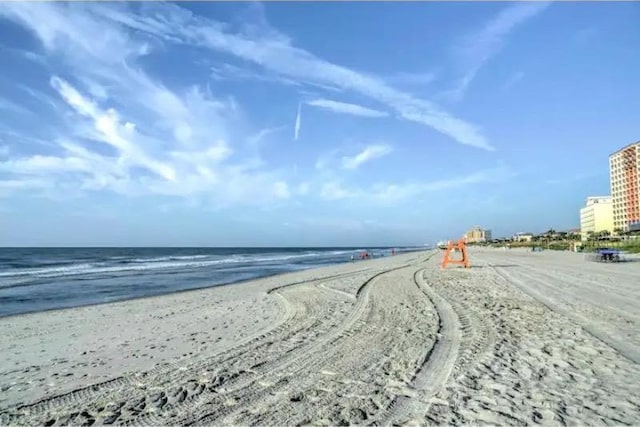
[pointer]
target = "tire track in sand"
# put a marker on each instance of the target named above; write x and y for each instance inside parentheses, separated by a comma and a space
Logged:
(438, 362)
(297, 362)
(630, 352)
(169, 371)
(170, 387)
(179, 395)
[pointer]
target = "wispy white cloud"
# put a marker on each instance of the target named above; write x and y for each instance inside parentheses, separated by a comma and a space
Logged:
(226, 71)
(369, 153)
(231, 72)
(344, 157)
(42, 98)
(11, 106)
(385, 192)
(58, 26)
(259, 136)
(112, 131)
(127, 132)
(412, 78)
(275, 53)
(15, 137)
(155, 140)
(298, 123)
(479, 47)
(346, 108)
(334, 190)
(23, 54)
(8, 186)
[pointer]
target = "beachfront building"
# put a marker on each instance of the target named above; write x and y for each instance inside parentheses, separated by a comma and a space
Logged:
(596, 216)
(522, 237)
(624, 165)
(477, 235)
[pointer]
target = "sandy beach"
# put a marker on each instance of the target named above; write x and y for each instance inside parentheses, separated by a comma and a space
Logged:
(521, 338)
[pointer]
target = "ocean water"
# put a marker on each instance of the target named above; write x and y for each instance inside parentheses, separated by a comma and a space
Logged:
(37, 279)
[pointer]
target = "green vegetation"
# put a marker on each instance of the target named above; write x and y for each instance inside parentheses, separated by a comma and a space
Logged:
(559, 246)
(563, 241)
(632, 246)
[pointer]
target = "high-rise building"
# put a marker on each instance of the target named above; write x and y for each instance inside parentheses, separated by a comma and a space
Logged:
(477, 235)
(596, 216)
(624, 165)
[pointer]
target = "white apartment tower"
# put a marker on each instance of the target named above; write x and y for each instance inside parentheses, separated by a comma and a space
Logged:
(624, 165)
(596, 216)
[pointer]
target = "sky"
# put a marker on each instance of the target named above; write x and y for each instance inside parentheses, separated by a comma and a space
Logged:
(308, 124)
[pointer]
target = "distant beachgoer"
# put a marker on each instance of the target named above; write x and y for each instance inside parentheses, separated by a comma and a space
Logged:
(352, 259)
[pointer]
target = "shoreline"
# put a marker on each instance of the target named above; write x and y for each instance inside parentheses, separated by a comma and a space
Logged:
(395, 339)
(137, 319)
(197, 288)
(177, 291)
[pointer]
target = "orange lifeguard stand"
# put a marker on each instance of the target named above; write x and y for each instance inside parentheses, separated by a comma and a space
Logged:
(462, 247)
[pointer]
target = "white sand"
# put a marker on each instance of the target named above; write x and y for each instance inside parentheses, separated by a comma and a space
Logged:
(520, 338)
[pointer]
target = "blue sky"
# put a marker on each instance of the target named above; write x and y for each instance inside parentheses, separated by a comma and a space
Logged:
(224, 124)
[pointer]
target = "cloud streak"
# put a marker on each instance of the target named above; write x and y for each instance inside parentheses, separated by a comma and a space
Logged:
(385, 193)
(111, 131)
(478, 48)
(369, 153)
(275, 53)
(125, 131)
(259, 136)
(122, 130)
(231, 72)
(412, 78)
(346, 108)
(11, 106)
(298, 123)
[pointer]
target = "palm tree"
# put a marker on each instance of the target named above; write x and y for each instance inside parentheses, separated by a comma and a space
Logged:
(550, 233)
(604, 233)
(617, 231)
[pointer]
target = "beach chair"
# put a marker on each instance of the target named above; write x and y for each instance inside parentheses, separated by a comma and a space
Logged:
(605, 255)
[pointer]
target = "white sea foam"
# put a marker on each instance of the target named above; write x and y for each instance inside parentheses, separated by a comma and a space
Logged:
(163, 263)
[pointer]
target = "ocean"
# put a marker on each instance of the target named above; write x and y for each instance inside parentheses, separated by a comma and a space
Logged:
(38, 279)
